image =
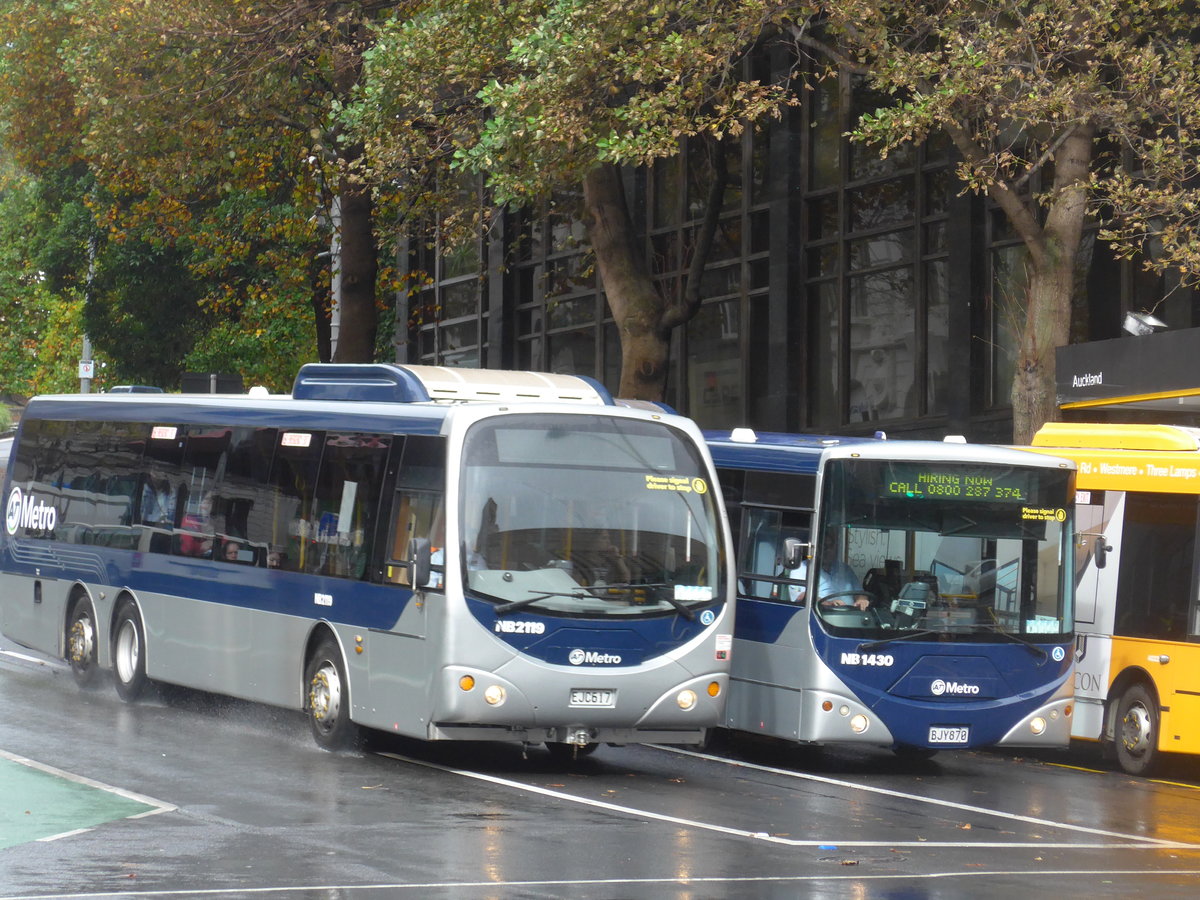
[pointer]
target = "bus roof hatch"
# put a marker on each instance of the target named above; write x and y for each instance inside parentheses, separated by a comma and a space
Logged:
(423, 384)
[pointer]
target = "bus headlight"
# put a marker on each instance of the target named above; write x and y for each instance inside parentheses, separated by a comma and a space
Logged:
(859, 723)
(686, 699)
(466, 683)
(1037, 725)
(714, 688)
(495, 695)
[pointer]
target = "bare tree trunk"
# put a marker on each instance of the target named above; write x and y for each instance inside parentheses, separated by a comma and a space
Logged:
(1055, 255)
(358, 264)
(644, 317)
(633, 297)
(1047, 327)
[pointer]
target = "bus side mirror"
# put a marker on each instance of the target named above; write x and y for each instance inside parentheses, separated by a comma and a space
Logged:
(418, 561)
(795, 551)
(1101, 548)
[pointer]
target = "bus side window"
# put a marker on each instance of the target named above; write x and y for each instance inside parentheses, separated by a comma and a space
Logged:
(1154, 584)
(416, 514)
(764, 553)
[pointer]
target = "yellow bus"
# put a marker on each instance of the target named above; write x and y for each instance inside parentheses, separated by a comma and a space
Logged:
(1137, 613)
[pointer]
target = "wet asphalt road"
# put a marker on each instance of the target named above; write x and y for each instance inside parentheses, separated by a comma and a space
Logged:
(234, 800)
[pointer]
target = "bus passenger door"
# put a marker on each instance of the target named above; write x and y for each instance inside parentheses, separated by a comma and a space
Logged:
(771, 631)
(1154, 615)
(400, 672)
(1098, 516)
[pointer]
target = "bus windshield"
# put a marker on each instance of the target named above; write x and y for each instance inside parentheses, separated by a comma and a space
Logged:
(590, 517)
(953, 549)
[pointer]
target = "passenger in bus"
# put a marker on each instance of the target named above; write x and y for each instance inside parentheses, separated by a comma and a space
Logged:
(197, 527)
(158, 503)
(835, 577)
(231, 551)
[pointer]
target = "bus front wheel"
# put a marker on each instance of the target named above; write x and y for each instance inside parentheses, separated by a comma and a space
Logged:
(129, 653)
(1137, 731)
(81, 642)
(327, 700)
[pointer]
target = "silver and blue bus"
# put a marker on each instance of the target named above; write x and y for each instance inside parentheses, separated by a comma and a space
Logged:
(438, 553)
(910, 594)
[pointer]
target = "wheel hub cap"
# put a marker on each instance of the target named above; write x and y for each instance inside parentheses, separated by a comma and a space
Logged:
(325, 696)
(82, 641)
(1135, 730)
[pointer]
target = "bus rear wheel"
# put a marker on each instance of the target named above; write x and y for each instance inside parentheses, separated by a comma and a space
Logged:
(327, 699)
(1137, 731)
(129, 653)
(81, 642)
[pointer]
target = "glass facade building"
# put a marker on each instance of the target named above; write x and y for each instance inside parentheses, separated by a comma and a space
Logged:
(845, 293)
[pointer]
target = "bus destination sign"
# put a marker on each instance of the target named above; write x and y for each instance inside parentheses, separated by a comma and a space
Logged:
(917, 481)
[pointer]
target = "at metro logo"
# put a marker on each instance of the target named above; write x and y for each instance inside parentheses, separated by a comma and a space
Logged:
(26, 511)
(940, 687)
(580, 657)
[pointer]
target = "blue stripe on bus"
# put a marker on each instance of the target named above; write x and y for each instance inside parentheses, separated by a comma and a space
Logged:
(899, 693)
(355, 603)
(896, 692)
(634, 640)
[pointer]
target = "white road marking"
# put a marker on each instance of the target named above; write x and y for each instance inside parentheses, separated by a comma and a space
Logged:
(1154, 843)
(489, 888)
(1122, 842)
(54, 664)
(158, 806)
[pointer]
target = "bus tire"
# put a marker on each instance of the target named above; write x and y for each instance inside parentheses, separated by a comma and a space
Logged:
(326, 698)
(129, 653)
(1136, 742)
(81, 642)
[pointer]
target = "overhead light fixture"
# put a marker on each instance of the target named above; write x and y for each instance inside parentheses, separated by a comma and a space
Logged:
(1139, 323)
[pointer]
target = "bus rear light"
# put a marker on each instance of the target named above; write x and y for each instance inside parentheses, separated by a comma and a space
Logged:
(686, 699)
(466, 683)
(859, 723)
(714, 688)
(495, 695)
(1037, 725)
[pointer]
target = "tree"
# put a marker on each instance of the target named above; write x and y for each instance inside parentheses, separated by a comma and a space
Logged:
(226, 257)
(190, 104)
(1058, 111)
(549, 98)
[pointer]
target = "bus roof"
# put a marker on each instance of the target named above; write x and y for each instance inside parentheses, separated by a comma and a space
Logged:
(425, 384)
(359, 396)
(1117, 437)
(1118, 457)
(773, 451)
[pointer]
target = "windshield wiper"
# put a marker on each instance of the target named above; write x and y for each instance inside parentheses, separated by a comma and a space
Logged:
(542, 595)
(592, 591)
(907, 636)
(950, 629)
(1016, 639)
(686, 611)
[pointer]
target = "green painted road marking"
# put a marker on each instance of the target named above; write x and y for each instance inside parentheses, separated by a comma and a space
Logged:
(41, 803)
